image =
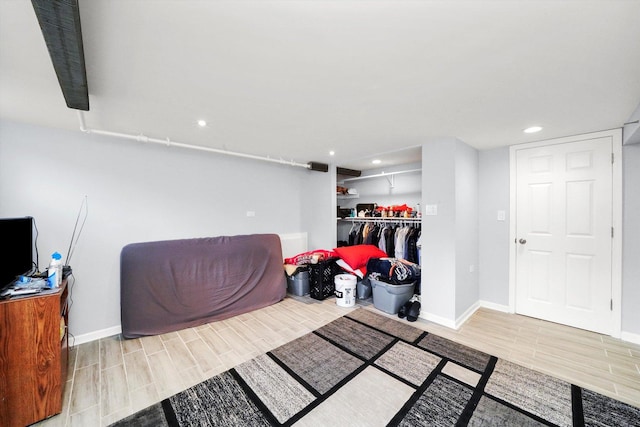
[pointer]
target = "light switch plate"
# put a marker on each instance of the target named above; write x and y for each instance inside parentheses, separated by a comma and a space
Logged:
(431, 210)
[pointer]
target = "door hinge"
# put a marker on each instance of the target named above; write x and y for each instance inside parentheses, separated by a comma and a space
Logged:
(612, 158)
(611, 305)
(612, 232)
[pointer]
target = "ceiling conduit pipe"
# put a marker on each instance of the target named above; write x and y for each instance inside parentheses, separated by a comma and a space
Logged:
(169, 143)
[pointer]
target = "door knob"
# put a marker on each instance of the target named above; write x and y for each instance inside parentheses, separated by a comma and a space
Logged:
(522, 241)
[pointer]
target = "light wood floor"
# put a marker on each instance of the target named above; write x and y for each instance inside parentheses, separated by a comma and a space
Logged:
(112, 378)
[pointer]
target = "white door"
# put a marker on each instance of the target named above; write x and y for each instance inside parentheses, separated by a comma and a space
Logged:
(564, 233)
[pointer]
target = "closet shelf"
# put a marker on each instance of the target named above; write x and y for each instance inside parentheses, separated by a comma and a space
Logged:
(347, 196)
(383, 174)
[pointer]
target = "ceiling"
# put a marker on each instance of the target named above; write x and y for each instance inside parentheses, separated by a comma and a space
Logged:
(296, 79)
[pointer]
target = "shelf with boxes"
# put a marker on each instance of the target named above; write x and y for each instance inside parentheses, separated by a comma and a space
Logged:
(390, 195)
(347, 196)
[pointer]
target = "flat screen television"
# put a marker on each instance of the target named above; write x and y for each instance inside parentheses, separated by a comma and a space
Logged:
(16, 248)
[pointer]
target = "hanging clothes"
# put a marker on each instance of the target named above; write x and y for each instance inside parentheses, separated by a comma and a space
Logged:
(382, 240)
(390, 239)
(353, 234)
(366, 234)
(373, 235)
(359, 237)
(397, 241)
(401, 240)
(412, 245)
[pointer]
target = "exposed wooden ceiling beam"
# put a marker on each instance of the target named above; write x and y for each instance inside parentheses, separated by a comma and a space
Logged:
(60, 24)
(348, 172)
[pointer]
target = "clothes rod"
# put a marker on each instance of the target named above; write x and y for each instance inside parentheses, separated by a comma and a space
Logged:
(385, 174)
(382, 219)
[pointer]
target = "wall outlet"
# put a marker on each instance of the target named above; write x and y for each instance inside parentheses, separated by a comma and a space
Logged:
(431, 210)
(502, 215)
(251, 213)
(472, 268)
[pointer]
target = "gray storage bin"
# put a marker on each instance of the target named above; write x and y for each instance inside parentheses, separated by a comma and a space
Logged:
(363, 289)
(389, 297)
(298, 283)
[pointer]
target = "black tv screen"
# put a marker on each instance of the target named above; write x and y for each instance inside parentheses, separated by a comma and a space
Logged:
(16, 248)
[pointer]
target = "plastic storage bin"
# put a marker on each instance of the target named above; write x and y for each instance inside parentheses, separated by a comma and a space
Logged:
(321, 278)
(298, 283)
(389, 297)
(363, 289)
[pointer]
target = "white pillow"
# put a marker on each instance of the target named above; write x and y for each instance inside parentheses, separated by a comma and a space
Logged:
(342, 263)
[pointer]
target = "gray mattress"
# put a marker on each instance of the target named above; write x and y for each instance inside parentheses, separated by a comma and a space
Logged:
(170, 285)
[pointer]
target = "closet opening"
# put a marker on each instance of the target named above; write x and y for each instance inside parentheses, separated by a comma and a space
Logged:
(381, 205)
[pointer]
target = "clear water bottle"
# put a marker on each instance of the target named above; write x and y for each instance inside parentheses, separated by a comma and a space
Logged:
(55, 270)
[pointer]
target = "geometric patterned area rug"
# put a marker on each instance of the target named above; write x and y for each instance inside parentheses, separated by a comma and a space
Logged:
(365, 369)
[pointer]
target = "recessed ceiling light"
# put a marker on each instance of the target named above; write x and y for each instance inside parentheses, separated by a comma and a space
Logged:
(202, 123)
(376, 161)
(533, 129)
(332, 153)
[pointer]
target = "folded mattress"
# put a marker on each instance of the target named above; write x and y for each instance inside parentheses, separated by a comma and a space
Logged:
(170, 285)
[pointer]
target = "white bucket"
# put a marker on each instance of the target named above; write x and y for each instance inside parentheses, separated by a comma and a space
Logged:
(345, 290)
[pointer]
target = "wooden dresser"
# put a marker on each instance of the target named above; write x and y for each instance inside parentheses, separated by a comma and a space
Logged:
(34, 356)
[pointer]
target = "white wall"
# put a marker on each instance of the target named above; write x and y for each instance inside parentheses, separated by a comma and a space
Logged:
(494, 235)
(466, 232)
(450, 238)
(317, 207)
(139, 192)
(438, 255)
(631, 239)
(493, 188)
(143, 192)
(631, 132)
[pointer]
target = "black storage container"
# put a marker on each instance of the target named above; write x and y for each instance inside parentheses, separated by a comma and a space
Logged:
(370, 207)
(321, 278)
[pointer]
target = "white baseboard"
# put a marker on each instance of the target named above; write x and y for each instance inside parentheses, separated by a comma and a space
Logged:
(630, 337)
(497, 307)
(467, 314)
(624, 336)
(456, 324)
(438, 319)
(96, 335)
(449, 323)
